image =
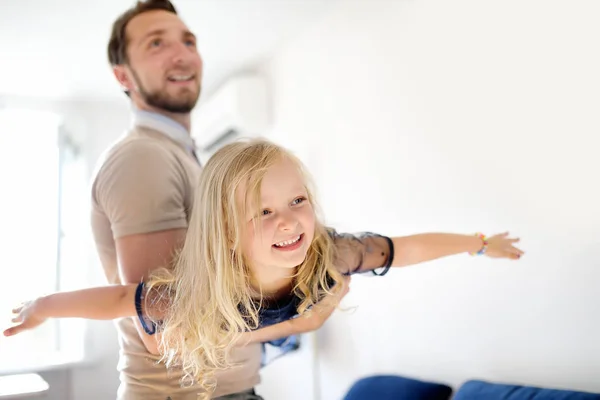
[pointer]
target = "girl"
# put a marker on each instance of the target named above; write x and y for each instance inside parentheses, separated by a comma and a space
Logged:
(257, 264)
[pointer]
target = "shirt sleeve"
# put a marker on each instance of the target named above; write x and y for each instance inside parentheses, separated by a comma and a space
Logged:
(141, 189)
(364, 252)
(151, 305)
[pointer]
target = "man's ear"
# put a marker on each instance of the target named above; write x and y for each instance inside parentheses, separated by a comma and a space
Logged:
(120, 72)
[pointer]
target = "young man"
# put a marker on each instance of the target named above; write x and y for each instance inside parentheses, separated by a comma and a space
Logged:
(143, 189)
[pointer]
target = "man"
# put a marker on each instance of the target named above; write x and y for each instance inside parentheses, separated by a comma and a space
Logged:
(143, 189)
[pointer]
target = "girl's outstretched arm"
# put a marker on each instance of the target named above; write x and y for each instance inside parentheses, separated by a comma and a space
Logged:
(367, 251)
(101, 303)
(423, 247)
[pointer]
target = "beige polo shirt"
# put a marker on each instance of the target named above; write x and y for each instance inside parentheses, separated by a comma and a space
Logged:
(145, 183)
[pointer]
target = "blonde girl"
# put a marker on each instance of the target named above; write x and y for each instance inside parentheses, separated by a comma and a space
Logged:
(257, 264)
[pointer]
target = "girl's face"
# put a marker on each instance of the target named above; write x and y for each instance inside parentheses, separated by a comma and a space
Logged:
(285, 222)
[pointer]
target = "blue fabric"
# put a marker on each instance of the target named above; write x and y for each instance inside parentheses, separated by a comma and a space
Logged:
(283, 311)
(148, 325)
(271, 316)
(479, 390)
(390, 387)
(278, 348)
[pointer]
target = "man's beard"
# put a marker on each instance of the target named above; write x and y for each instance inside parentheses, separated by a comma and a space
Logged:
(182, 104)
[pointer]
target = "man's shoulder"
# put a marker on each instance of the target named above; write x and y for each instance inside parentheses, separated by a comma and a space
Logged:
(130, 148)
(133, 154)
(133, 144)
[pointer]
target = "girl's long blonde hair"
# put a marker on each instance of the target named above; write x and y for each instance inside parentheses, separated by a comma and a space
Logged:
(211, 303)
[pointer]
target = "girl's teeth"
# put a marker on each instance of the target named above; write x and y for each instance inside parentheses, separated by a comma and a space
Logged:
(287, 242)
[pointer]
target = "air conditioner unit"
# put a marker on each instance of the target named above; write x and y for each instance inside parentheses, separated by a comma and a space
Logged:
(239, 108)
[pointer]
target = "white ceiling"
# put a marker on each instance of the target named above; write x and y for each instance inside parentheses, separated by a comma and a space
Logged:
(57, 48)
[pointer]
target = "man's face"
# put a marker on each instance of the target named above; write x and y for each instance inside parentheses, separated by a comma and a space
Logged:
(164, 69)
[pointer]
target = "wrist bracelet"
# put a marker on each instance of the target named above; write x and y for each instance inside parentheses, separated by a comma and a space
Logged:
(484, 245)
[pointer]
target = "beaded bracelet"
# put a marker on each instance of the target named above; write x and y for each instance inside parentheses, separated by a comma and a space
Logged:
(484, 245)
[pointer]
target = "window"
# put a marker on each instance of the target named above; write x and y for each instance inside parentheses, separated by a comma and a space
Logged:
(43, 241)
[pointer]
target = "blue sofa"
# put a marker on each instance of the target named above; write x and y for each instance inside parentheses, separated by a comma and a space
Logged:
(392, 387)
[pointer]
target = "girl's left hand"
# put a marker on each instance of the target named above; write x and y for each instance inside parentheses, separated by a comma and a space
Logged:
(501, 246)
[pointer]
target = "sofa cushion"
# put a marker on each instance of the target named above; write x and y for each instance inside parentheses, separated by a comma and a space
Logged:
(479, 390)
(391, 387)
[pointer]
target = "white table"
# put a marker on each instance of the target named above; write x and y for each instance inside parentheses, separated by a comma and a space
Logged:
(22, 386)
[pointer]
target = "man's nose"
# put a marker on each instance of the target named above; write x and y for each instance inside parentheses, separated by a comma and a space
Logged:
(182, 53)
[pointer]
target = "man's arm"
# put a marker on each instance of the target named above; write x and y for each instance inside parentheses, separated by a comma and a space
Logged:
(138, 255)
(142, 191)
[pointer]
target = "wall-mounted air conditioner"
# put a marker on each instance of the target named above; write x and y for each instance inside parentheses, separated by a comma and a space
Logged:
(239, 108)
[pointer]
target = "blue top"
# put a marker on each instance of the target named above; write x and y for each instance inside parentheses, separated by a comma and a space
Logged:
(363, 253)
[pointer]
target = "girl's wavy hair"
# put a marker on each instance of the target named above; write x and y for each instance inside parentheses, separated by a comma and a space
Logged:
(210, 298)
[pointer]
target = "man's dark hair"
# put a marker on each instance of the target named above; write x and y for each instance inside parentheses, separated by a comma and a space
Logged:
(117, 45)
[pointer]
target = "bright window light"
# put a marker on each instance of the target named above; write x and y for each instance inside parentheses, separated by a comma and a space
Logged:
(42, 212)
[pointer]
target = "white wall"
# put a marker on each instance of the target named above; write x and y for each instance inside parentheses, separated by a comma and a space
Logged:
(454, 116)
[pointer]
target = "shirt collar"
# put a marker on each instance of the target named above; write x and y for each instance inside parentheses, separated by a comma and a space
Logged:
(164, 125)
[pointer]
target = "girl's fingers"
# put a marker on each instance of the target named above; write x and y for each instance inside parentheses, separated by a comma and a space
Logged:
(516, 250)
(13, 330)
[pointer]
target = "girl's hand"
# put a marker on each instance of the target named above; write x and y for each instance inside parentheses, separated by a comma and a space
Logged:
(501, 246)
(322, 311)
(301, 324)
(27, 318)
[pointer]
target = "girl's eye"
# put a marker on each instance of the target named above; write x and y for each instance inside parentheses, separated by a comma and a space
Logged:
(264, 212)
(299, 200)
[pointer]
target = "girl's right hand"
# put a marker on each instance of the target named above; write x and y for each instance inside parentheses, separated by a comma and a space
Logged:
(27, 318)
